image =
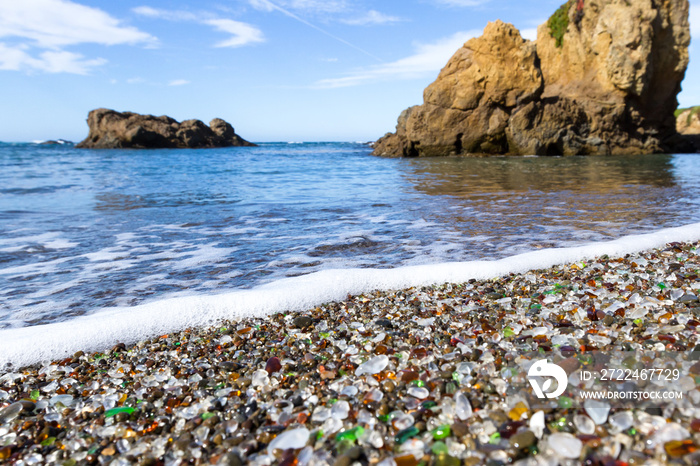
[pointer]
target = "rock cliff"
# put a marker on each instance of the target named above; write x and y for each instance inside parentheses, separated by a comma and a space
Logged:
(602, 78)
(688, 121)
(120, 130)
(688, 127)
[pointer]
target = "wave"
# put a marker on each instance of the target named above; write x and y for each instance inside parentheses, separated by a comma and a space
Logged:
(95, 332)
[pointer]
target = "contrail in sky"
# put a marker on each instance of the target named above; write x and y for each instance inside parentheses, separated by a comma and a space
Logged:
(272, 6)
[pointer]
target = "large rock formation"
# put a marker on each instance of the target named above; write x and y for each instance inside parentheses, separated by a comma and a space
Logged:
(120, 130)
(602, 78)
(688, 121)
(688, 126)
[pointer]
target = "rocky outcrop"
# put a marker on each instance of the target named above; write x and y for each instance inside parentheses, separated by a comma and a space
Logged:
(688, 127)
(688, 121)
(602, 78)
(121, 130)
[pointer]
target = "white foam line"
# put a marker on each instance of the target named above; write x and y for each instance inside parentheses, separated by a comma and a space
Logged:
(99, 331)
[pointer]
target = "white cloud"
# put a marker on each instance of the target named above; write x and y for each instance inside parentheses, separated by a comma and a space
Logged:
(262, 5)
(178, 82)
(61, 61)
(16, 59)
(428, 58)
(58, 23)
(243, 33)
(38, 30)
(174, 15)
(372, 17)
(51, 61)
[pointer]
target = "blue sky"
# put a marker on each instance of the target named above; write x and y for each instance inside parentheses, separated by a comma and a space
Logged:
(277, 70)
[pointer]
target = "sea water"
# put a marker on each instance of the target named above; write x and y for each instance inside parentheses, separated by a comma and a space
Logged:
(147, 241)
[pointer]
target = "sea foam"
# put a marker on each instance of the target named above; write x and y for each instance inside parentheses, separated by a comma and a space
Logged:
(99, 331)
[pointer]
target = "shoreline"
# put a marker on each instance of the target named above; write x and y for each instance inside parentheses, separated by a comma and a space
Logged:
(388, 377)
(94, 332)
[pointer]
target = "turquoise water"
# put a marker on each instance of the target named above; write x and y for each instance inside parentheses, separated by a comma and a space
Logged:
(84, 230)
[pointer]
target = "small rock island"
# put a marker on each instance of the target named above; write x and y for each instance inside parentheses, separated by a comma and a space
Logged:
(110, 129)
(602, 78)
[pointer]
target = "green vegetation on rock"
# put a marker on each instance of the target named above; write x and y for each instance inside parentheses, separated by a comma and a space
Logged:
(559, 22)
(693, 111)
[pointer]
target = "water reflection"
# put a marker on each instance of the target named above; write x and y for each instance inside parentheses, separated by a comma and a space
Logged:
(515, 203)
(465, 177)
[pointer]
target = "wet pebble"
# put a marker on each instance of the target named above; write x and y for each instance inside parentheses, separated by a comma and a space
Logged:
(302, 321)
(565, 445)
(411, 376)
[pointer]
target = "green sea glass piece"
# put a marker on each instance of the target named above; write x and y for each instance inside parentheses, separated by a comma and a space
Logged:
(115, 411)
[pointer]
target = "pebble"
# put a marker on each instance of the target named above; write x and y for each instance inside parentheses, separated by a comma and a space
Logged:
(460, 429)
(302, 321)
(565, 445)
(441, 432)
(383, 322)
(65, 400)
(463, 407)
(584, 424)
(260, 378)
(537, 424)
(295, 438)
(597, 410)
(523, 440)
(421, 375)
(273, 365)
(680, 448)
(667, 433)
(340, 410)
(373, 366)
(418, 392)
(10, 412)
(622, 420)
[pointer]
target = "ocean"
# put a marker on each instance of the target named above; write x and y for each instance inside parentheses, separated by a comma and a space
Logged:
(167, 238)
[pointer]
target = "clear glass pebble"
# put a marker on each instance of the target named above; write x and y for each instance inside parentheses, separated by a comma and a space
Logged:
(65, 400)
(321, 414)
(331, 425)
(350, 391)
(597, 410)
(463, 408)
(418, 392)
(621, 421)
(294, 439)
(402, 421)
(584, 424)
(340, 410)
(260, 378)
(373, 366)
(565, 445)
(10, 412)
(668, 433)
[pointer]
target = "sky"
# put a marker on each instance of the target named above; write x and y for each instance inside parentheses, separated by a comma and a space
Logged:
(277, 70)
